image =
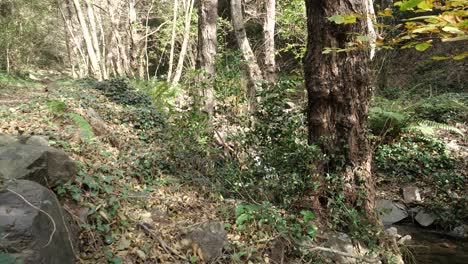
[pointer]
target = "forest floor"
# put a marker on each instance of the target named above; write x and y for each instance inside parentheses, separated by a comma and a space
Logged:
(118, 187)
(114, 191)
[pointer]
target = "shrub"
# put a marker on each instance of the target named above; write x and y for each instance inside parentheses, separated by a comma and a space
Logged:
(413, 156)
(449, 107)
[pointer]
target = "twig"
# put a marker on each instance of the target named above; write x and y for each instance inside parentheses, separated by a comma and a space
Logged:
(40, 210)
(163, 243)
(345, 254)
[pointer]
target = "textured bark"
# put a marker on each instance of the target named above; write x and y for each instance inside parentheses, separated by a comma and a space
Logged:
(185, 42)
(173, 40)
(95, 67)
(207, 49)
(338, 86)
(254, 73)
(269, 36)
(94, 37)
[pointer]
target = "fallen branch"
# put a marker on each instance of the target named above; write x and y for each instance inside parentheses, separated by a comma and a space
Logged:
(163, 243)
(40, 210)
(345, 254)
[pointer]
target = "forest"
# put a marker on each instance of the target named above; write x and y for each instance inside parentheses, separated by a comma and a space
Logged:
(233, 131)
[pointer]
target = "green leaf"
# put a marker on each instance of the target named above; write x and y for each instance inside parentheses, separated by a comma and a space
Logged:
(242, 219)
(422, 46)
(337, 19)
(439, 58)
(409, 4)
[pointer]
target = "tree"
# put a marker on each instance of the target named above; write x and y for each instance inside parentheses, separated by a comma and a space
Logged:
(338, 86)
(207, 49)
(269, 36)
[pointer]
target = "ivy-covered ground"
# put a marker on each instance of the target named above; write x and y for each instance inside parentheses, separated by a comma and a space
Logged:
(122, 181)
(147, 167)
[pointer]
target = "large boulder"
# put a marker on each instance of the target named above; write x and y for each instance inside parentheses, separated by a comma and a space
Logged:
(208, 239)
(30, 235)
(7, 140)
(390, 212)
(42, 164)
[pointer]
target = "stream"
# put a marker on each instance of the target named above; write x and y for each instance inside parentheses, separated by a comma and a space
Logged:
(430, 246)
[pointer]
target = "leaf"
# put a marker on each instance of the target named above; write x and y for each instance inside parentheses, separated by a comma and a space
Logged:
(242, 219)
(453, 30)
(455, 39)
(337, 19)
(461, 56)
(409, 4)
(422, 46)
(439, 58)
(386, 13)
(426, 5)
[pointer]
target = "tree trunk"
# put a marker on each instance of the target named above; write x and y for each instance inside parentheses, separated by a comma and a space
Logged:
(338, 86)
(173, 40)
(95, 68)
(254, 74)
(269, 36)
(207, 50)
(94, 36)
(185, 42)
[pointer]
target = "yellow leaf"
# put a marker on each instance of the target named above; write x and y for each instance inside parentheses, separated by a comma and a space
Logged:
(422, 46)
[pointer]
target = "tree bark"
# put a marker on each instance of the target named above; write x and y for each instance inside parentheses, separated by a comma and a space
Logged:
(185, 42)
(95, 67)
(173, 40)
(269, 36)
(207, 50)
(338, 86)
(254, 74)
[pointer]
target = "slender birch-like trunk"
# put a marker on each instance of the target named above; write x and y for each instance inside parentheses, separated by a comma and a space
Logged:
(269, 37)
(183, 51)
(254, 74)
(173, 40)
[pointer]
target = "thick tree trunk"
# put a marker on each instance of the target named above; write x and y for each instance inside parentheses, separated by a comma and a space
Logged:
(95, 68)
(94, 37)
(207, 49)
(254, 73)
(339, 91)
(269, 36)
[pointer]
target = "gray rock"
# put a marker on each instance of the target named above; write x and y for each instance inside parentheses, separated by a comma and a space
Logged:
(391, 212)
(42, 164)
(27, 233)
(343, 243)
(38, 140)
(210, 237)
(425, 219)
(95, 120)
(392, 231)
(411, 194)
(404, 239)
(460, 231)
(7, 140)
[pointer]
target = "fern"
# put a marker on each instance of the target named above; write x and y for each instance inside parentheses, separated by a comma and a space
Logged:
(83, 124)
(428, 127)
(56, 107)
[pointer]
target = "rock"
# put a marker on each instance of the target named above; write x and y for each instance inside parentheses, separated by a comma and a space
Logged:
(38, 140)
(404, 239)
(392, 231)
(27, 233)
(42, 164)
(209, 238)
(411, 194)
(341, 242)
(390, 212)
(95, 120)
(460, 231)
(6, 140)
(424, 219)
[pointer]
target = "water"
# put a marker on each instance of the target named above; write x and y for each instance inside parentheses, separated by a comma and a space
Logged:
(432, 247)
